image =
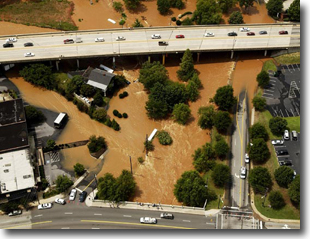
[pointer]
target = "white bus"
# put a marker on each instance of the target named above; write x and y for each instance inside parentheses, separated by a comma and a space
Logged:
(60, 120)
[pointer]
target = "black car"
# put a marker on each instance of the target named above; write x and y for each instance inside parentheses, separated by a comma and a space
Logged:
(232, 34)
(163, 43)
(285, 163)
(262, 32)
(82, 196)
(166, 215)
(28, 44)
(282, 152)
(8, 45)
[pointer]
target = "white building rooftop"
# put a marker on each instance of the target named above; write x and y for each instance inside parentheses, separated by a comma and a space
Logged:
(16, 172)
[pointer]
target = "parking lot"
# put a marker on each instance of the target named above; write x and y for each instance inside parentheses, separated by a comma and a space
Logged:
(283, 93)
(292, 159)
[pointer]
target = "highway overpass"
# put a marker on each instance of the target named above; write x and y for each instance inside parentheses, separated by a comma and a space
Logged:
(50, 46)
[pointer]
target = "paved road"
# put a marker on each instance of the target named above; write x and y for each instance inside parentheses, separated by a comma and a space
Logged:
(239, 189)
(139, 41)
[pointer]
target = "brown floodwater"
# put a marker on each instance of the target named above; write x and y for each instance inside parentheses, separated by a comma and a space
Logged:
(9, 28)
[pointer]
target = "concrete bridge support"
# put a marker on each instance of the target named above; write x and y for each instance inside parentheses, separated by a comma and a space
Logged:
(265, 53)
(149, 59)
(164, 59)
(232, 55)
(198, 55)
(78, 63)
(57, 65)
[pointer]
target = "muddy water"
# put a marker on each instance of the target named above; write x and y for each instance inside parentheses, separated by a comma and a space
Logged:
(8, 28)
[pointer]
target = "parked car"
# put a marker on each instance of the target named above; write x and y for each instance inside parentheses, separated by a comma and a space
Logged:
(5, 45)
(244, 29)
(99, 39)
(72, 194)
(286, 135)
(148, 220)
(243, 172)
(29, 54)
(283, 32)
(68, 41)
(285, 163)
(232, 34)
(120, 38)
(15, 213)
(179, 36)
(209, 34)
(156, 36)
(166, 215)
(83, 196)
(250, 34)
(282, 152)
(262, 32)
(11, 39)
(45, 206)
(60, 201)
(28, 44)
(277, 142)
(163, 43)
(294, 135)
(246, 158)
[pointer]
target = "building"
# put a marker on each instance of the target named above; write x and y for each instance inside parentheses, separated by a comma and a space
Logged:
(100, 79)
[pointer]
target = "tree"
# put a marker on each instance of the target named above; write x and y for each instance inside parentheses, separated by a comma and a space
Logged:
(258, 130)
(259, 103)
(50, 144)
(186, 70)
(179, 4)
(259, 151)
(63, 183)
(260, 179)
(181, 113)
(107, 187)
(164, 138)
(118, 6)
(115, 125)
(284, 176)
(156, 109)
(225, 5)
(276, 200)
(39, 75)
(190, 189)
(206, 117)
(274, 7)
(79, 169)
(236, 18)
(125, 186)
(277, 125)
(204, 158)
(87, 90)
(75, 84)
(96, 144)
(294, 191)
(221, 148)
(224, 98)
(98, 100)
(187, 22)
(221, 175)
(163, 6)
(33, 115)
(196, 79)
(100, 115)
(294, 11)
(246, 3)
(149, 146)
(192, 91)
(132, 4)
(222, 121)
(207, 12)
(137, 23)
(152, 73)
(263, 79)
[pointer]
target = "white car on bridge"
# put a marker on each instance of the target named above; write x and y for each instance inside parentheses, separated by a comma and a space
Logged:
(209, 34)
(156, 36)
(148, 220)
(11, 39)
(245, 29)
(29, 54)
(99, 39)
(120, 38)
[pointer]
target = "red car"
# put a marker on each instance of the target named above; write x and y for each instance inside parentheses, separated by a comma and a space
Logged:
(68, 41)
(179, 36)
(283, 32)
(251, 34)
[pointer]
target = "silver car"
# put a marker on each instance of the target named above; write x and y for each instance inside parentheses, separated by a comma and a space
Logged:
(148, 220)
(120, 38)
(156, 36)
(243, 172)
(209, 34)
(72, 195)
(246, 158)
(45, 206)
(99, 39)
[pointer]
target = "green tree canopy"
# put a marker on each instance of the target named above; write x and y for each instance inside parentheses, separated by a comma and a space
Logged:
(156, 109)
(225, 5)
(125, 186)
(207, 12)
(263, 79)
(222, 121)
(284, 176)
(192, 91)
(100, 115)
(137, 23)
(246, 3)
(196, 79)
(96, 144)
(204, 158)
(186, 70)
(179, 4)
(181, 113)
(258, 130)
(187, 22)
(221, 148)
(98, 100)
(75, 84)
(274, 7)
(294, 191)
(107, 187)
(87, 90)
(152, 73)
(132, 4)
(163, 6)
(164, 138)
(118, 6)
(33, 115)
(277, 125)
(276, 200)
(39, 75)
(294, 11)
(63, 183)
(221, 175)
(190, 189)
(206, 117)
(79, 169)
(260, 179)
(224, 98)
(259, 103)
(149, 146)
(236, 18)
(259, 151)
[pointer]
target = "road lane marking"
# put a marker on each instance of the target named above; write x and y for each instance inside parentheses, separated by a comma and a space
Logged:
(97, 214)
(126, 216)
(95, 228)
(65, 228)
(35, 223)
(69, 213)
(186, 221)
(38, 215)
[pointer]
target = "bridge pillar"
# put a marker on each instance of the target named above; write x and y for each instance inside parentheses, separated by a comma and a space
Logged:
(164, 59)
(78, 63)
(57, 65)
(149, 59)
(198, 54)
(265, 53)
(113, 63)
(231, 54)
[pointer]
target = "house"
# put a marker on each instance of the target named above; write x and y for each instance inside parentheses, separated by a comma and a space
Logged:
(99, 79)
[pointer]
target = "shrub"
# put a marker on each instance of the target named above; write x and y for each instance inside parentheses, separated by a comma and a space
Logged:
(148, 145)
(96, 144)
(33, 115)
(164, 138)
(221, 175)
(221, 148)
(284, 176)
(259, 151)
(178, 22)
(119, 115)
(173, 19)
(259, 103)
(276, 200)
(118, 6)
(100, 115)
(263, 79)
(125, 115)
(181, 113)
(224, 98)
(115, 125)
(258, 131)
(140, 160)
(294, 191)
(115, 112)
(206, 117)
(222, 121)
(63, 183)
(235, 18)
(79, 169)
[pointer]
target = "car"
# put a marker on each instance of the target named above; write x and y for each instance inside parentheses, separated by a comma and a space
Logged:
(262, 32)
(60, 201)
(83, 196)
(232, 34)
(156, 36)
(28, 44)
(244, 29)
(163, 43)
(246, 158)
(294, 135)
(282, 152)
(29, 54)
(179, 36)
(277, 142)
(120, 38)
(166, 215)
(209, 34)
(11, 39)
(148, 220)
(15, 213)
(99, 39)
(286, 135)
(294, 174)
(78, 40)
(283, 32)
(243, 172)
(5, 45)
(45, 206)
(68, 41)
(72, 194)
(285, 163)
(250, 34)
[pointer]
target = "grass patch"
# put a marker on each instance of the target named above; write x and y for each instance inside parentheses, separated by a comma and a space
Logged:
(293, 123)
(293, 58)
(57, 14)
(269, 65)
(62, 80)
(263, 118)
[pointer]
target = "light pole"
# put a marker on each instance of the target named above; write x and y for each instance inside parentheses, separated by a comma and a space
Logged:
(130, 164)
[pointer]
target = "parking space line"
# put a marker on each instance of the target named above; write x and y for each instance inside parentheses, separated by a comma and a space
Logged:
(288, 69)
(97, 214)
(280, 146)
(270, 90)
(38, 215)
(126, 215)
(292, 67)
(273, 80)
(292, 113)
(281, 112)
(280, 156)
(186, 221)
(68, 213)
(297, 67)
(267, 94)
(287, 112)
(267, 97)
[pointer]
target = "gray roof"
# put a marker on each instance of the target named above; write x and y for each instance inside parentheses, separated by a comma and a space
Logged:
(99, 77)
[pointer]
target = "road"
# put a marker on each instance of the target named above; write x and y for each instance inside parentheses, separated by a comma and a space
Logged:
(239, 189)
(50, 46)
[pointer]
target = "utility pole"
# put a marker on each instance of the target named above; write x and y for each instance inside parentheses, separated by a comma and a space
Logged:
(145, 146)
(130, 164)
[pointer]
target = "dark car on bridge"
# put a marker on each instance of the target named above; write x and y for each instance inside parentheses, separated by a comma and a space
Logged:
(283, 32)
(251, 34)
(8, 45)
(262, 32)
(82, 196)
(232, 34)
(28, 44)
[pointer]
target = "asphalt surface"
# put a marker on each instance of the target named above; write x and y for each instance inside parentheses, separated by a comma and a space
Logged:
(139, 41)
